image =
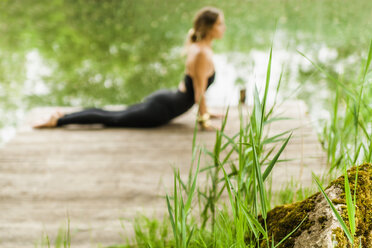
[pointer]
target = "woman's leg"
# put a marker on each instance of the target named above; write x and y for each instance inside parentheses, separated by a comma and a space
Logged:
(146, 114)
(87, 116)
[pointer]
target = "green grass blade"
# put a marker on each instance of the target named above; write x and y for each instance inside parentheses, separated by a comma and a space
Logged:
(183, 224)
(192, 190)
(267, 155)
(257, 109)
(175, 204)
(261, 186)
(181, 183)
(281, 241)
(253, 220)
(355, 185)
(171, 217)
(207, 168)
(334, 210)
(231, 141)
(268, 73)
(274, 119)
(67, 239)
(251, 225)
(349, 203)
(364, 129)
(276, 94)
(193, 150)
(274, 160)
(274, 138)
(228, 156)
(224, 121)
(59, 239)
(189, 238)
(368, 61)
(357, 152)
(229, 187)
(337, 82)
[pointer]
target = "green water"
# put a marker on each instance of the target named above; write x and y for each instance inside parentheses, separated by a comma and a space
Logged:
(116, 52)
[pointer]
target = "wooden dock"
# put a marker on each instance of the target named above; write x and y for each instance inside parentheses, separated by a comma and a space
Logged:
(102, 178)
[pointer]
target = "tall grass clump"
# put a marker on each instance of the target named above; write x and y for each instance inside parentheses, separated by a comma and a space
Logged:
(347, 136)
(62, 240)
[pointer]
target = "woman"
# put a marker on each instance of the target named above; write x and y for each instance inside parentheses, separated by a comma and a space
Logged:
(163, 105)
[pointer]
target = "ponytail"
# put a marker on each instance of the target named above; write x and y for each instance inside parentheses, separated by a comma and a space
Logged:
(192, 36)
(203, 22)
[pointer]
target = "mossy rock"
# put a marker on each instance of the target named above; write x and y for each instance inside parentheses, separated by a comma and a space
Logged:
(321, 228)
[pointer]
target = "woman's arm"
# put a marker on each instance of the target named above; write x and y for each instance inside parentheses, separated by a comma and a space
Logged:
(200, 80)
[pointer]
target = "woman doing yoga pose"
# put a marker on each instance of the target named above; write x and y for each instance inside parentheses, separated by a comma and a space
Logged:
(163, 105)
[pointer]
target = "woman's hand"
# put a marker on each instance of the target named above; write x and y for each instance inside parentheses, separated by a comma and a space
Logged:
(208, 127)
(205, 123)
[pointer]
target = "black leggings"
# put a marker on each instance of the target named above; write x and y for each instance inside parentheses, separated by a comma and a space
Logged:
(157, 109)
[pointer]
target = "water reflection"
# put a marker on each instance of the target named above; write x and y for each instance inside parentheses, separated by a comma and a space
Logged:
(36, 69)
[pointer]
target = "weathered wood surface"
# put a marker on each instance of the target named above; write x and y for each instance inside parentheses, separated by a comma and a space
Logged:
(103, 177)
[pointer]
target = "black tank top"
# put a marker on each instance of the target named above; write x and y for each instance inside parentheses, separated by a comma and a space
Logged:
(189, 85)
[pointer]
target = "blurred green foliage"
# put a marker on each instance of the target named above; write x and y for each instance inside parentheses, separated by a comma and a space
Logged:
(117, 52)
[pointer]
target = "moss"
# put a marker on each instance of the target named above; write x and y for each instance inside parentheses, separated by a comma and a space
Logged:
(338, 201)
(322, 220)
(284, 219)
(341, 242)
(363, 215)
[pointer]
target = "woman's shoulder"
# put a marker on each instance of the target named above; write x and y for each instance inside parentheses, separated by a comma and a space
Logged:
(196, 52)
(198, 57)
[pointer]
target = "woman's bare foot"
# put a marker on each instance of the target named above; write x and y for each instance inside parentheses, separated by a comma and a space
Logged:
(51, 122)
